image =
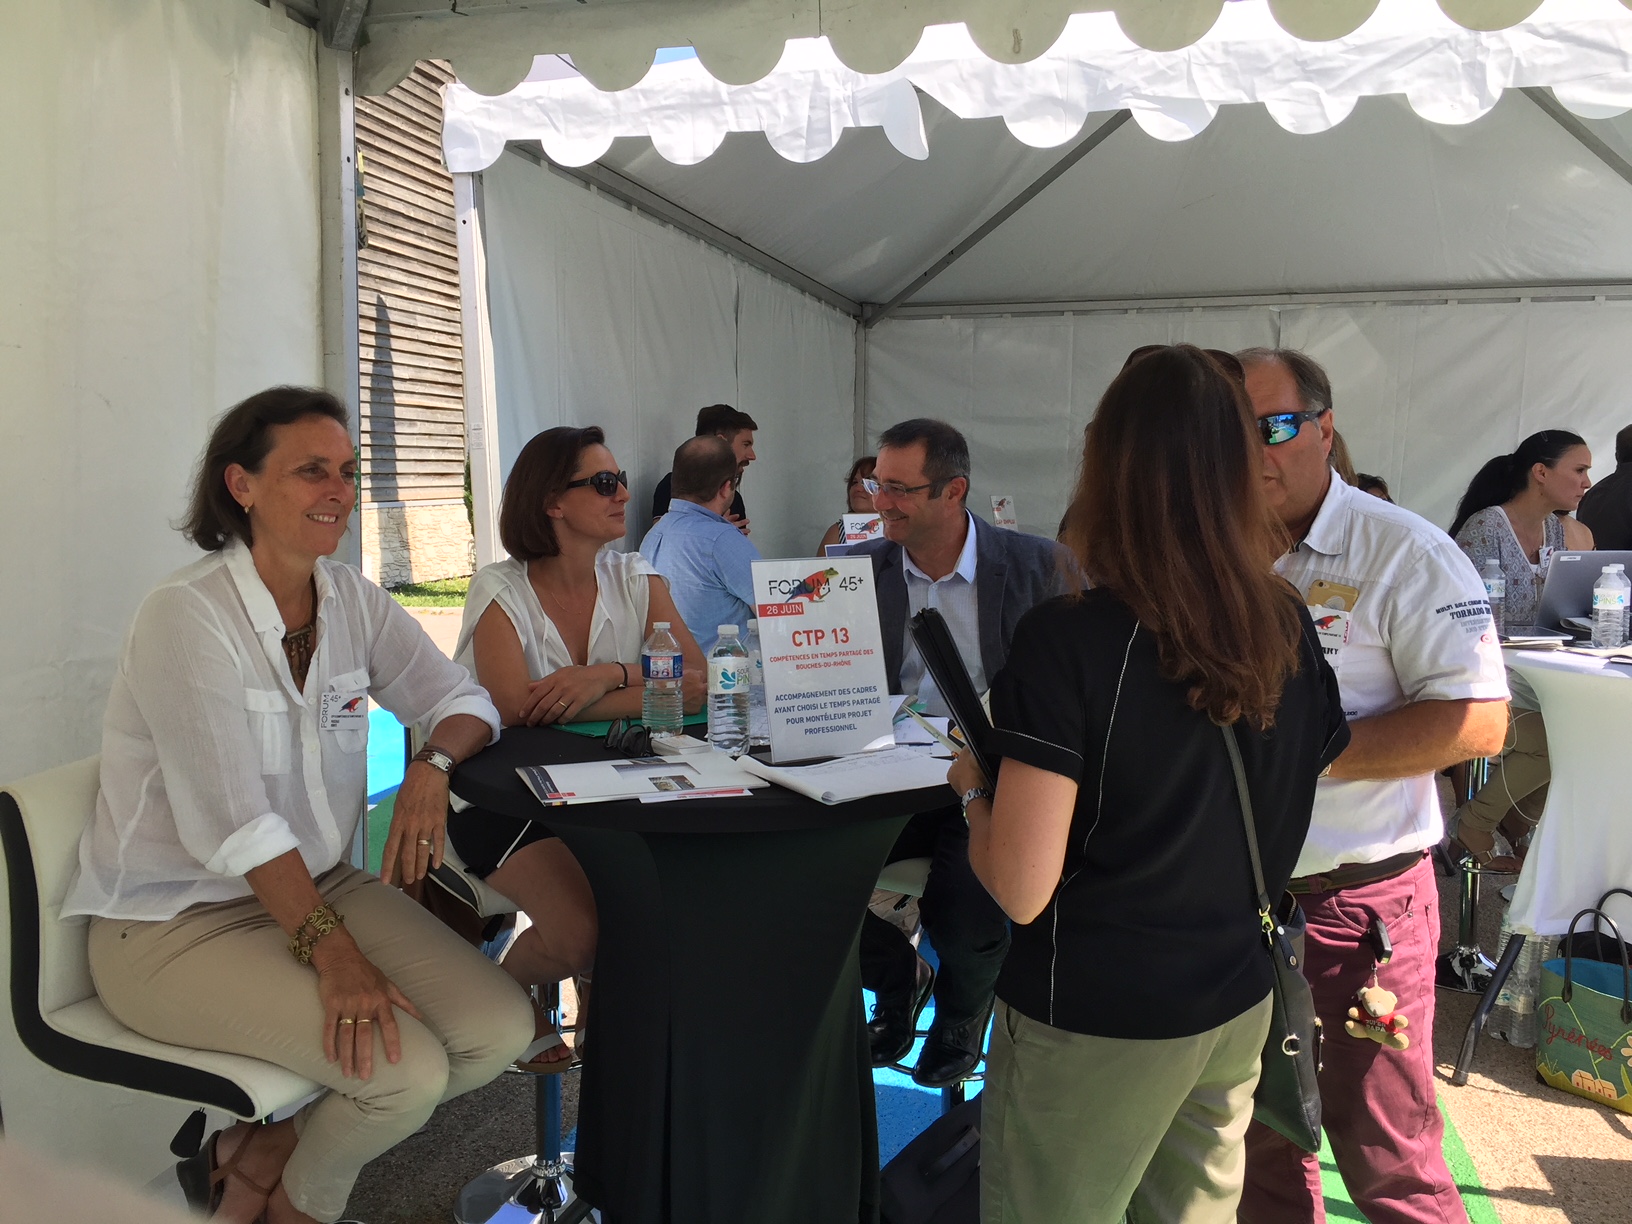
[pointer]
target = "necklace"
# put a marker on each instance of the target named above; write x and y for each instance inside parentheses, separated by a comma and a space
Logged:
(298, 644)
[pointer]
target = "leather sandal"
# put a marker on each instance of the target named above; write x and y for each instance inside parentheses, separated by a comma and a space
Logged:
(219, 1173)
(1488, 860)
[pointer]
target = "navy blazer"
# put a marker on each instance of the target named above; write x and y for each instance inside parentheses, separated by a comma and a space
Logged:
(1013, 572)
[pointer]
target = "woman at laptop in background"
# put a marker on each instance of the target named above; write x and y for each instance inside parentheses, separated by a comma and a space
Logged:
(554, 633)
(1517, 512)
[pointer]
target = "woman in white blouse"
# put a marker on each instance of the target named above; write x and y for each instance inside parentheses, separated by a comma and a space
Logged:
(224, 913)
(554, 632)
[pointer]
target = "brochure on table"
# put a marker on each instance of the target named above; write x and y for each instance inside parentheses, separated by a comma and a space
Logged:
(704, 774)
(824, 661)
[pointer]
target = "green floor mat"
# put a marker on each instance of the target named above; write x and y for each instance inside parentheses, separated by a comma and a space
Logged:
(1339, 1206)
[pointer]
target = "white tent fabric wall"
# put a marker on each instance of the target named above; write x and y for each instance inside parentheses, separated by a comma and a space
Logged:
(797, 366)
(159, 260)
(602, 316)
(1424, 393)
(1022, 389)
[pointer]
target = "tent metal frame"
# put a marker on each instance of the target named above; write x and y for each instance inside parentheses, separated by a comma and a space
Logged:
(1601, 291)
(1572, 124)
(660, 208)
(877, 314)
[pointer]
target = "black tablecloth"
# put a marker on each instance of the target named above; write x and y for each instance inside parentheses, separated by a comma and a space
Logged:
(727, 1078)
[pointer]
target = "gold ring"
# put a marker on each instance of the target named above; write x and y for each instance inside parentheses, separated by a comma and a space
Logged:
(424, 841)
(563, 703)
(344, 1020)
(365, 1020)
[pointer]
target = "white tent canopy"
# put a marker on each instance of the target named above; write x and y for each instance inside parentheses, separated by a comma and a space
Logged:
(491, 43)
(176, 231)
(1449, 74)
(1466, 281)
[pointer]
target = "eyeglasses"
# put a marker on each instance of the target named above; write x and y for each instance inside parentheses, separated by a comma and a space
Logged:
(604, 483)
(631, 739)
(895, 488)
(1284, 426)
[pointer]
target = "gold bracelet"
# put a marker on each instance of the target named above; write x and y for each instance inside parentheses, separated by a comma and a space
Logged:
(319, 922)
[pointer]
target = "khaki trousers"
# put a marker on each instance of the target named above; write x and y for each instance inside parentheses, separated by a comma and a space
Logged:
(1518, 778)
(1079, 1130)
(220, 977)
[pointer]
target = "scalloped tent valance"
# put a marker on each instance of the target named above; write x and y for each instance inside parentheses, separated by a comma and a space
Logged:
(491, 43)
(1582, 49)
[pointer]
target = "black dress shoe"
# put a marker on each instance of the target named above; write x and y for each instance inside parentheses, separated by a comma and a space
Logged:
(892, 1030)
(951, 1051)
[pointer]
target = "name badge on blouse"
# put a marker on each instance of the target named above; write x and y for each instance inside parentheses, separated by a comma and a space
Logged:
(1332, 628)
(339, 712)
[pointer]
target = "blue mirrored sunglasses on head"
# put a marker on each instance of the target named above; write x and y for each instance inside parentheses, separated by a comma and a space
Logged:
(1283, 426)
(604, 483)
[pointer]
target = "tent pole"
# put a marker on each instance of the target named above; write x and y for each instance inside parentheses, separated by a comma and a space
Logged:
(337, 180)
(859, 422)
(1077, 152)
(481, 404)
(1575, 127)
(632, 194)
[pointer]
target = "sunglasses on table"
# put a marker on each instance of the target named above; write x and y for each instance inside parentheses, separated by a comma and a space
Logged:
(1284, 426)
(604, 483)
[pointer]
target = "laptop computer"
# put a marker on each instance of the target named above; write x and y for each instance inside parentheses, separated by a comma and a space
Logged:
(1567, 594)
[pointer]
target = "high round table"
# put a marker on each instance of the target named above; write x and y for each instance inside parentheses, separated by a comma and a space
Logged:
(1583, 846)
(727, 1079)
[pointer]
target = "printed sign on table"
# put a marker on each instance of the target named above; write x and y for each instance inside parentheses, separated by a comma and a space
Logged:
(859, 528)
(825, 691)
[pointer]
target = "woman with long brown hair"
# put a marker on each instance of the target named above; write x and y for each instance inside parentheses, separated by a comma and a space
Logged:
(1134, 1001)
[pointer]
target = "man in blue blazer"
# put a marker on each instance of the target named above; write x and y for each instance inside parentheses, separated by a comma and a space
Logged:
(982, 579)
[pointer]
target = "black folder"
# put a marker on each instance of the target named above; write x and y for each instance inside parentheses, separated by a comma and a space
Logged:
(945, 666)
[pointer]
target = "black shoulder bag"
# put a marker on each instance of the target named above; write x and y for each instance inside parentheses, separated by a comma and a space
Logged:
(1288, 1095)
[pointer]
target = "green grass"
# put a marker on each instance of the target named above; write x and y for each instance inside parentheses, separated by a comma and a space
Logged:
(448, 593)
(1475, 1198)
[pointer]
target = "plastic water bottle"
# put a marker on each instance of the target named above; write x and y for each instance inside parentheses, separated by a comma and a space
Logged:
(662, 708)
(1496, 592)
(758, 719)
(1610, 597)
(728, 683)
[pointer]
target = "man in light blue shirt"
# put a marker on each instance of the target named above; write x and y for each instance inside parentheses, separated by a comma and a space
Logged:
(708, 562)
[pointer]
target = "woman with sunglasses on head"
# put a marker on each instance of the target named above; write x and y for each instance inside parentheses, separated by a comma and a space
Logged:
(1135, 998)
(857, 499)
(1516, 512)
(554, 634)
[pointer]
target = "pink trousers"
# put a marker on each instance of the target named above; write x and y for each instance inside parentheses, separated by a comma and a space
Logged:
(1378, 1105)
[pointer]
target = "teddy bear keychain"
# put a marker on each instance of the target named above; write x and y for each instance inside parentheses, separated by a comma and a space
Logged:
(1375, 1017)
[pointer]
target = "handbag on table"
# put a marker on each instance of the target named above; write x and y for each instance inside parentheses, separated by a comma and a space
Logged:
(1287, 1099)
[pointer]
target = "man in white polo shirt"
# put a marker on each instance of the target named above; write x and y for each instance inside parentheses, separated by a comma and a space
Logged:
(1405, 625)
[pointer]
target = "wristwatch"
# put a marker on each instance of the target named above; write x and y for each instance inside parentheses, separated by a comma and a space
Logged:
(435, 758)
(973, 793)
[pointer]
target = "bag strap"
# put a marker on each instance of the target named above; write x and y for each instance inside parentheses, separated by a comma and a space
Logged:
(1598, 915)
(1265, 907)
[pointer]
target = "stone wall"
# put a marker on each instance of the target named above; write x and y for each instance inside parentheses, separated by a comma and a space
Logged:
(416, 541)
